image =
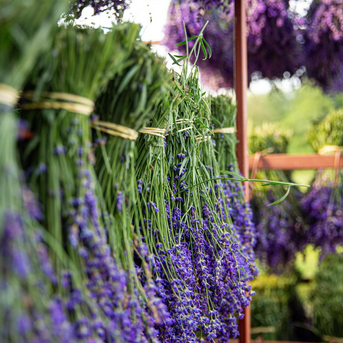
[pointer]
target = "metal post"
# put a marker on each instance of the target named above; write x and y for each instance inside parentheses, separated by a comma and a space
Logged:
(241, 85)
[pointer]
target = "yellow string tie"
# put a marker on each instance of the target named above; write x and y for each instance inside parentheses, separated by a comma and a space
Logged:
(70, 102)
(154, 131)
(115, 130)
(185, 129)
(8, 95)
(202, 139)
(126, 132)
(180, 121)
(225, 130)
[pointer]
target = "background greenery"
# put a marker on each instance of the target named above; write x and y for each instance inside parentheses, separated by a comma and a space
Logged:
(297, 111)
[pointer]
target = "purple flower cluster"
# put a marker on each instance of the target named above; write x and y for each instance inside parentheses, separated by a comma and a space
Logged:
(324, 44)
(121, 315)
(323, 209)
(279, 40)
(281, 231)
(241, 214)
(200, 266)
(26, 269)
(272, 45)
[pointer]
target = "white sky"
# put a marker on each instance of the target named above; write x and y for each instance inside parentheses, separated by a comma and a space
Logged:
(152, 15)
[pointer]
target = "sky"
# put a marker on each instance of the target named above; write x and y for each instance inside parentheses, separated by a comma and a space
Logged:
(152, 15)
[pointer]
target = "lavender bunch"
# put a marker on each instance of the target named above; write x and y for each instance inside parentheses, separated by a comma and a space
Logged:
(270, 33)
(194, 248)
(59, 164)
(131, 99)
(224, 116)
(323, 44)
(281, 231)
(322, 205)
(28, 310)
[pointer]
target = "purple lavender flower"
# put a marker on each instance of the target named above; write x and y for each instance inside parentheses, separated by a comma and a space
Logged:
(60, 149)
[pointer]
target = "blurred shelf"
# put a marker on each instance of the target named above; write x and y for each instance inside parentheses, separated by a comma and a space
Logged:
(295, 162)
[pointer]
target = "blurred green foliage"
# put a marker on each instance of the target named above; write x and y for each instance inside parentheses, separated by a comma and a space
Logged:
(327, 297)
(276, 304)
(329, 131)
(286, 120)
(270, 305)
(295, 111)
(269, 137)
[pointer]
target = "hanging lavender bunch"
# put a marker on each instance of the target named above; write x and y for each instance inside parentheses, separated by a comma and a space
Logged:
(322, 205)
(270, 33)
(222, 5)
(322, 208)
(130, 100)
(27, 304)
(281, 231)
(59, 164)
(187, 228)
(224, 116)
(323, 44)
(27, 277)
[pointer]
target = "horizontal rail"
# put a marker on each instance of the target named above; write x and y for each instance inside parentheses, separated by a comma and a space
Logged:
(294, 162)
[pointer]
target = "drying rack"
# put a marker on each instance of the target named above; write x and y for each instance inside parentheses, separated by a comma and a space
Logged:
(266, 162)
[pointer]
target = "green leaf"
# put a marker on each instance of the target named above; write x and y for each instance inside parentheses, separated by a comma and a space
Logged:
(282, 198)
(185, 41)
(208, 48)
(203, 49)
(128, 77)
(174, 59)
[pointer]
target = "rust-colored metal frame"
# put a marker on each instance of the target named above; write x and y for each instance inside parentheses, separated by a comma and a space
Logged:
(241, 86)
(294, 162)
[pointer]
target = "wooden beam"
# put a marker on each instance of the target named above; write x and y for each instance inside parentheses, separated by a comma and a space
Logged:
(295, 162)
(241, 86)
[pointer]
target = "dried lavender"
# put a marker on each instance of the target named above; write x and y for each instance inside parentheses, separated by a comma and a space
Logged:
(322, 205)
(224, 116)
(187, 228)
(26, 274)
(131, 99)
(281, 230)
(323, 38)
(59, 163)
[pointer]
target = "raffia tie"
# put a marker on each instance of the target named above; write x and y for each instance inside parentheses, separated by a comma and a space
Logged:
(125, 132)
(154, 131)
(116, 130)
(69, 102)
(202, 139)
(8, 95)
(225, 130)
